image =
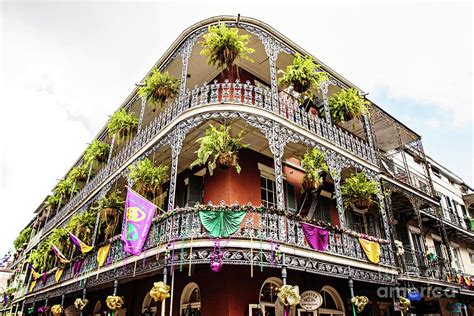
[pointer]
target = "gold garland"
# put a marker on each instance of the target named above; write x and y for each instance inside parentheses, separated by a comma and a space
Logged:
(289, 295)
(404, 304)
(56, 310)
(80, 303)
(160, 291)
(114, 302)
(360, 302)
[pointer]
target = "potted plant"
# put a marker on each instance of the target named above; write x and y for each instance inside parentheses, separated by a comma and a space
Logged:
(82, 225)
(65, 188)
(159, 87)
(223, 46)
(303, 76)
(122, 124)
(52, 203)
(359, 190)
(469, 222)
(346, 105)
(219, 149)
(23, 238)
(148, 177)
(111, 209)
(79, 173)
(315, 168)
(97, 151)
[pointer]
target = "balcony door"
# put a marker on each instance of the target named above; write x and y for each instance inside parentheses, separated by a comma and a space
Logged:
(419, 251)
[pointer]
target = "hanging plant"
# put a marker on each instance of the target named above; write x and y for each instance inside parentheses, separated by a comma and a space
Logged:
(303, 76)
(97, 151)
(82, 225)
(23, 238)
(111, 210)
(147, 177)
(223, 46)
(122, 125)
(79, 173)
(358, 190)
(346, 105)
(219, 149)
(66, 188)
(53, 202)
(315, 167)
(159, 87)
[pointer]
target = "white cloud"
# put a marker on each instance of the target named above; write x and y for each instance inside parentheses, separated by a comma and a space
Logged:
(66, 67)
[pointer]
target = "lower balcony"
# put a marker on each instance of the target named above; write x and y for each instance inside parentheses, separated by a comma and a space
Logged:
(265, 238)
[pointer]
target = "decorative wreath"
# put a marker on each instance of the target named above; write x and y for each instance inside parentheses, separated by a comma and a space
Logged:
(289, 295)
(56, 310)
(80, 303)
(360, 302)
(114, 302)
(160, 291)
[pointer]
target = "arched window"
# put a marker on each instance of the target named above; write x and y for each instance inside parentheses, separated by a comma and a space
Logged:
(332, 302)
(97, 308)
(148, 305)
(268, 295)
(190, 300)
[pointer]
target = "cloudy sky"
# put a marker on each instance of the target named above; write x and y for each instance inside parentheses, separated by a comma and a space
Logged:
(65, 66)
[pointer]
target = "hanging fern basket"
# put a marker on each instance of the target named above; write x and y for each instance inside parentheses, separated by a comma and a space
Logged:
(301, 86)
(362, 204)
(227, 57)
(161, 94)
(226, 160)
(311, 184)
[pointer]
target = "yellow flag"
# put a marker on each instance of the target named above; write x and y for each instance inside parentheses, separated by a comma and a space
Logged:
(102, 254)
(58, 274)
(371, 249)
(32, 285)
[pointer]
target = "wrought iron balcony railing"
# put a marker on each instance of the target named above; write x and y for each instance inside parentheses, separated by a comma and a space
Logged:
(416, 263)
(246, 95)
(409, 177)
(257, 227)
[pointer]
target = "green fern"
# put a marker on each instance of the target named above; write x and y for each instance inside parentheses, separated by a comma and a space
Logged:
(223, 45)
(346, 105)
(314, 164)
(358, 186)
(122, 125)
(159, 87)
(97, 151)
(23, 238)
(217, 146)
(147, 177)
(303, 75)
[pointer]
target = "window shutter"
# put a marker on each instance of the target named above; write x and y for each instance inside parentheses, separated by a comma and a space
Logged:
(290, 197)
(349, 219)
(194, 190)
(180, 196)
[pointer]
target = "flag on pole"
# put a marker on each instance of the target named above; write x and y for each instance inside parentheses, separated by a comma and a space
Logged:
(59, 254)
(79, 243)
(137, 220)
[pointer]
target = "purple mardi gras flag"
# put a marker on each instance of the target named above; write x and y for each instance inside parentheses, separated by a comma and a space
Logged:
(137, 220)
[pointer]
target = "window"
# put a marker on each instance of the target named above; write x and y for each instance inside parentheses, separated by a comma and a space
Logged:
(332, 302)
(323, 209)
(438, 248)
(268, 295)
(358, 222)
(457, 258)
(190, 300)
(267, 192)
(435, 171)
(471, 256)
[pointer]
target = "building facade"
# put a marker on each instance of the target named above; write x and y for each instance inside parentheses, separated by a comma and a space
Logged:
(415, 239)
